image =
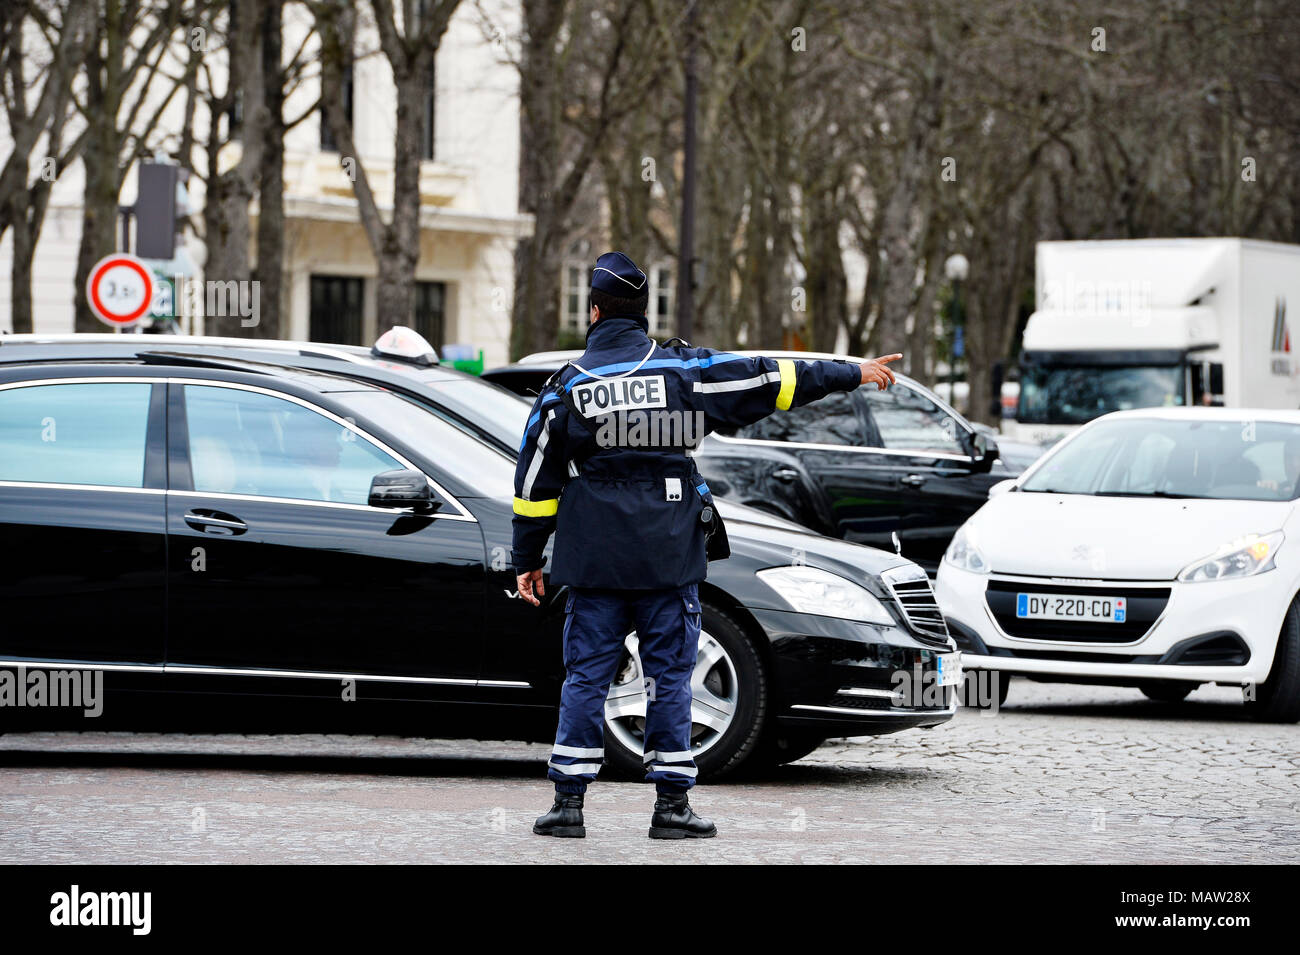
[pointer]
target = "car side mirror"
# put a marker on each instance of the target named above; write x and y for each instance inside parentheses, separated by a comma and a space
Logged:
(986, 452)
(400, 488)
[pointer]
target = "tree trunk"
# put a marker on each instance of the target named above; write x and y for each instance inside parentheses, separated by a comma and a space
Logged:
(99, 216)
(998, 271)
(901, 233)
(778, 286)
(401, 247)
(920, 341)
(24, 247)
(269, 273)
(536, 316)
(227, 229)
(827, 283)
(538, 259)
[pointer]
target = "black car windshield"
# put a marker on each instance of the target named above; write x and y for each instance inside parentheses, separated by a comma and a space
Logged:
(475, 463)
(1160, 457)
(1073, 394)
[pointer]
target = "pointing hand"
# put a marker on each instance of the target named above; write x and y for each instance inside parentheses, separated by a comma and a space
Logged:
(877, 370)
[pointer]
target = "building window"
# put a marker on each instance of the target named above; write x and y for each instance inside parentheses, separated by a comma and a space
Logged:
(349, 97)
(431, 311)
(577, 292)
(337, 304)
(430, 114)
(661, 300)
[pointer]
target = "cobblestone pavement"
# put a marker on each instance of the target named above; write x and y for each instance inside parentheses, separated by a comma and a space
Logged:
(1061, 774)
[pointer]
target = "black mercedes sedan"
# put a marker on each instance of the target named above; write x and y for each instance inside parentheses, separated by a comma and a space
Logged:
(891, 469)
(239, 542)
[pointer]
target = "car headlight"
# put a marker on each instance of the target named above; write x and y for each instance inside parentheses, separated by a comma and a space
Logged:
(1243, 557)
(962, 553)
(817, 591)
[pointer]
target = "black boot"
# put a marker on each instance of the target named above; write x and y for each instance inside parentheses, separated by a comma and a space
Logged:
(564, 819)
(674, 819)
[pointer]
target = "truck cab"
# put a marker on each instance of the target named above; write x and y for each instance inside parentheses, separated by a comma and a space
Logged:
(1155, 323)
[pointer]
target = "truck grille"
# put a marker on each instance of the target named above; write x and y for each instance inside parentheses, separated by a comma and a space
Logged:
(912, 592)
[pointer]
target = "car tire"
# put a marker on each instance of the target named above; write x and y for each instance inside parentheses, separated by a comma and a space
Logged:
(1277, 699)
(742, 736)
(1167, 691)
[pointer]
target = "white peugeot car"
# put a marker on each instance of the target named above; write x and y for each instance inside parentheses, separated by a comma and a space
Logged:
(1157, 548)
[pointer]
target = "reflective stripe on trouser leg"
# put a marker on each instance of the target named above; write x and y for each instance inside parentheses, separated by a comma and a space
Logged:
(668, 631)
(595, 627)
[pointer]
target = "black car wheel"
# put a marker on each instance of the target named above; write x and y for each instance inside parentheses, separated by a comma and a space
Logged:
(1277, 699)
(729, 706)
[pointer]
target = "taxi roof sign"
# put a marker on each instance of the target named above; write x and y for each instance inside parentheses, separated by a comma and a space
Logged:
(406, 344)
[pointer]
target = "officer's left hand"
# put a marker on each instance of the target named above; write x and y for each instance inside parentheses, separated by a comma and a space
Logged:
(528, 583)
(876, 371)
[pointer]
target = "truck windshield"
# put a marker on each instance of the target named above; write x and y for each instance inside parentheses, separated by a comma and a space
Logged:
(1176, 458)
(1075, 394)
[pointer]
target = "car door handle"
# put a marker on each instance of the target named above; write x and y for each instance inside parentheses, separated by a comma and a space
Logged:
(786, 475)
(912, 480)
(215, 522)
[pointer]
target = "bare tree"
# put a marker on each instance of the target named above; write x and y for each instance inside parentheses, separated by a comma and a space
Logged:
(237, 112)
(122, 65)
(410, 45)
(24, 199)
(581, 78)
(275, 76)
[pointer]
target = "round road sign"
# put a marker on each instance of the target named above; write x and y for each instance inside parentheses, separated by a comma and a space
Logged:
(120, 289)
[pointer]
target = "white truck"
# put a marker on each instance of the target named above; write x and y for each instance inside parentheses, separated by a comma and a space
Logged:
(1137, 323)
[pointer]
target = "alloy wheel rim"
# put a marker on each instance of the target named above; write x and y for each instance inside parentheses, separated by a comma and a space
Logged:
(714, 696)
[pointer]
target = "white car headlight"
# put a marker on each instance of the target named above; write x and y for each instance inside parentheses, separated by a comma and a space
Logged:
(813, 590)
(962, 553)
(1243, 557)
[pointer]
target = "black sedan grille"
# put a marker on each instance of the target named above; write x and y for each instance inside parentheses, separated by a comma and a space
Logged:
(1145, 605)
(912, 592)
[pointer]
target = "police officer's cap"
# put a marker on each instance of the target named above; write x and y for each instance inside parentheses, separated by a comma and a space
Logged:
(615, 274)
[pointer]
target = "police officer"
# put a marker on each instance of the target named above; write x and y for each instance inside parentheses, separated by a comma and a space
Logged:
(606, 464)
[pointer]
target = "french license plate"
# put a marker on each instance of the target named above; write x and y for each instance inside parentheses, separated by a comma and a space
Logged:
(1086, 607)
(948, 666)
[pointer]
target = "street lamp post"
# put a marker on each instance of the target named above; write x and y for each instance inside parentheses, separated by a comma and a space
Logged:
(956, 268)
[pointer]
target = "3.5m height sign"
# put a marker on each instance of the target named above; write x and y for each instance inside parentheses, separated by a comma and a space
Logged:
(120, 290)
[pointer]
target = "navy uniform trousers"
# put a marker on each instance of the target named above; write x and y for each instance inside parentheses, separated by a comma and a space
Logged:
(596, 625)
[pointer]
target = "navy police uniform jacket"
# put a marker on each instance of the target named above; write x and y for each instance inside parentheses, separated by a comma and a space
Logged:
(605, 461)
